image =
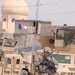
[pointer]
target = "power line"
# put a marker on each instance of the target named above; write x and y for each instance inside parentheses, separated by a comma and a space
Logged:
(51, 2)
(57, 13)
(54, 13)
(59, 2)
(42, 4)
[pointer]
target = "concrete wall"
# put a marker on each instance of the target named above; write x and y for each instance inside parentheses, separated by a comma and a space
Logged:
(44, 40)
(28, 26)
(28, 39)
(25, 36)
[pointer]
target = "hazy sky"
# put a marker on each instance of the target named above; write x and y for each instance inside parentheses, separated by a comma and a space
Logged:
(58, 11)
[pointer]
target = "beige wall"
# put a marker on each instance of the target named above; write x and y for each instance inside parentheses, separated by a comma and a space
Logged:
(8, 26)
(27, 40)
(4, 25)
(44, 40)
(17, 30)
(11, 27)
(42, 26)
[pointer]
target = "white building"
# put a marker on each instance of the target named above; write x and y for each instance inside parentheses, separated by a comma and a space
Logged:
(11, 11)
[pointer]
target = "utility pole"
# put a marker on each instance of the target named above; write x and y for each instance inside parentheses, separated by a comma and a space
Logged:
(37, 8)
(33, 43)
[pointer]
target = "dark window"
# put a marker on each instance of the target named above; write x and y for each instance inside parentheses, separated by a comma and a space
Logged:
(10, 43)
(35, 24)
(8, 61)
(51, 40)
(18, 61)
(0, 58)
(60, 34)
(4, 19)
(1, 42)
(13, 19)
(24, 62)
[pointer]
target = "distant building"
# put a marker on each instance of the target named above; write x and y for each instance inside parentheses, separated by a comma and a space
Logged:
(29, 28)
(15, 24)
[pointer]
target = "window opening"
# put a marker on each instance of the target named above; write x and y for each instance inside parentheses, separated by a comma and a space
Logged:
(4, 19)
(60, 34)
(8, 61)
(0, 58)
(1, 42)
(9, 43)
(18, 61)
(62, 58)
